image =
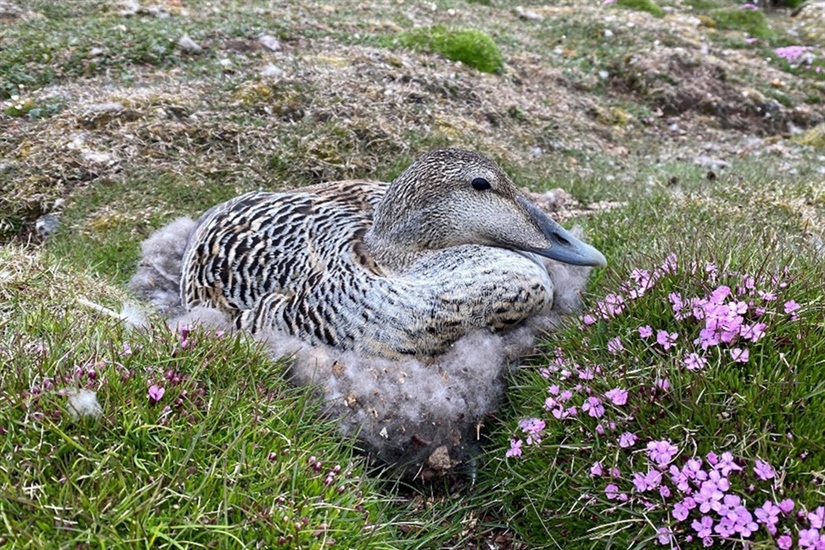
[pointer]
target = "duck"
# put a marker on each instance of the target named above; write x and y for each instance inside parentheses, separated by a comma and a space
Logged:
(393, 270)
(400, 303)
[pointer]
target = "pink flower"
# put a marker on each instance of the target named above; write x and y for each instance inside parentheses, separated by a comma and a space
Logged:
(740, 355)
(596, 469)
(663, 536)
(749, 6)
(593, 406)
(532, 427)
(515, 448)
(627, 439)
(155, 393)
(791, 307)
(784, 542)
(662, 383)
(694, 361)
(661, 452)
(763, 470)
(786, 506)
(648, 481)
(666, 340)
(792, 54)
(611, 491)
(768, 513)
(704, 527)
(808, 538)
(680, 511)
(817, 518)
(726, 464)
(614, 345)
(617, 396)
(753, 332)
(645, 331)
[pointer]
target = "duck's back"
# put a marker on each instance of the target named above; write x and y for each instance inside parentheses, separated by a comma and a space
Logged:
(262, 243)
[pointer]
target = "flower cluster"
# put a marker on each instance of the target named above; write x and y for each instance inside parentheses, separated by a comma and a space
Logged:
(798, 56)
(692, 499)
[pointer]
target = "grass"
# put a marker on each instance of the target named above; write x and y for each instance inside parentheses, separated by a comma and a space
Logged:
(642, 5)
(226, 451)
(228, 462)
(751, 22)
(472, 47)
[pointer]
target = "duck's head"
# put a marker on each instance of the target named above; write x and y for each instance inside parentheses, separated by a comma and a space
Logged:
(450, 197)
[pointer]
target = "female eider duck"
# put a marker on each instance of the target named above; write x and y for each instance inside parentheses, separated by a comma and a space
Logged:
(393, 270)
(397, 292)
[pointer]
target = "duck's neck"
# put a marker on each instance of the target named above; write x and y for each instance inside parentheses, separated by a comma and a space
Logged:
(397, 246)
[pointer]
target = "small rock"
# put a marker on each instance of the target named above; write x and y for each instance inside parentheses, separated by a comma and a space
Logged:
(225, 63)
(108, 107)
(604, 75)
(528, 14)
(608, 33)
(709, 162)
(536, 151)
(129, 7)
(188, 45)
(46, 225)
(271, 71)
(270, 43)
(96, 157)
(439, 459)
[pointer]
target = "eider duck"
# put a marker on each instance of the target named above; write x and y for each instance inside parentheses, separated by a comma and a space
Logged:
(405, 269)
(400, 302)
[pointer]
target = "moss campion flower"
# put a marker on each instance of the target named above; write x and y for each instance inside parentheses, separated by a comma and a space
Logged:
(627, 439)
(617, 396)
(155, 393)
(763, 470)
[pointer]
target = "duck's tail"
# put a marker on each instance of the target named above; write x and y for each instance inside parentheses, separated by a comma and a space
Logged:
(158, 275)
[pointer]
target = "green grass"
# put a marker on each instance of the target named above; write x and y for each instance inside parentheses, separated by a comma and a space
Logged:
(642, 5)
(749, 21)
(225, 453)
(472, 47)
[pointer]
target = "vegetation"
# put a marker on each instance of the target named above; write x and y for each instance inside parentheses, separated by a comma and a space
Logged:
(752, 22)
(678, 164)
(472, 47)
(642, 5)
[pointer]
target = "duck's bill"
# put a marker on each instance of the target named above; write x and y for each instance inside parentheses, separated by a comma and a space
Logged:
(563, 247)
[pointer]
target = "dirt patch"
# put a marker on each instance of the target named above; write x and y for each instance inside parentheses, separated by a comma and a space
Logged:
(678, 82)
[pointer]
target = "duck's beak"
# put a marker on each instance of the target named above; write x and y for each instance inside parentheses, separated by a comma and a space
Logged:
(563, 246)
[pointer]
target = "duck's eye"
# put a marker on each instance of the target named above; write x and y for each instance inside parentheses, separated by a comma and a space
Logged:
(480, 184)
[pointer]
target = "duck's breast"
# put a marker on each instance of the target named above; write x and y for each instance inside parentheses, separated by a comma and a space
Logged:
(442, 297)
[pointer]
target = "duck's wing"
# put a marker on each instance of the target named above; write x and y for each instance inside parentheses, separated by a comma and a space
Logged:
(262, 243)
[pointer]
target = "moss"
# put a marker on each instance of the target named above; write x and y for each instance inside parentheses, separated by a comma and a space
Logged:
(749, 21)
(471, 47)
(642, 5)
(815, 137)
